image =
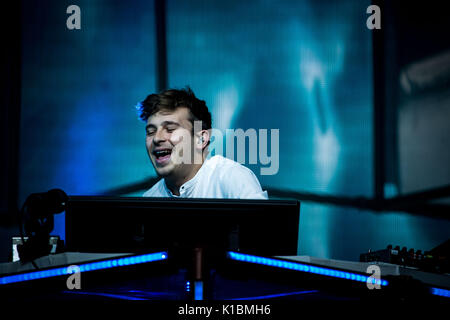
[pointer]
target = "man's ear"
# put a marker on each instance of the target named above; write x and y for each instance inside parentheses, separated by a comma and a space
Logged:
(203, 138)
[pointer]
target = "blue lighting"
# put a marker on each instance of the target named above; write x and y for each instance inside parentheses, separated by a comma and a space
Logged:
(440, 292)
(303, 268)
(278, 295)
(84, 267)
(108, 295)
(198, 290)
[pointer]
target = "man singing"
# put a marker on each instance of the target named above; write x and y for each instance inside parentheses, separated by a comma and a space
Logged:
(178, 133)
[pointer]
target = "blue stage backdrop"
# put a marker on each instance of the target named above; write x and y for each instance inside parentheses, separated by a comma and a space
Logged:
(302, 67)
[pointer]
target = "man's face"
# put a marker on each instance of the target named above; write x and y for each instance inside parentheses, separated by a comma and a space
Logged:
(168, 137)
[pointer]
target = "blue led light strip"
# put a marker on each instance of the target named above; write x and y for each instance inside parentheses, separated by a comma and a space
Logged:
(440, 292)
(106, 264)
(277, 295)
(303, 268)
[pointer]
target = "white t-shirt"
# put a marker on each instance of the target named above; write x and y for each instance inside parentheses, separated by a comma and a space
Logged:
(218, 177)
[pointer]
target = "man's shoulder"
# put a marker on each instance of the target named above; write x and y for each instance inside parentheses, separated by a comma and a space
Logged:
(236, 180)
(157, 190)
(229, 170)
(221, 162)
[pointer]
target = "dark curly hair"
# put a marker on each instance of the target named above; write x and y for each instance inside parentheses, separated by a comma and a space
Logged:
(170, 100)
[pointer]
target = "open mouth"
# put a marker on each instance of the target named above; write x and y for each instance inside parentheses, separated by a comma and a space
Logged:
(162, 155)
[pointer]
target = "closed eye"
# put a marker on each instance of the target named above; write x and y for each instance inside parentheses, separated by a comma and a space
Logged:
(171, 128)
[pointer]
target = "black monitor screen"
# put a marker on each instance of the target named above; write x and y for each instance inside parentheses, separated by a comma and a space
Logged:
(126, 224)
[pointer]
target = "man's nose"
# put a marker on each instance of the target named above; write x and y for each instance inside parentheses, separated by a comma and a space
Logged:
(159, 136)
